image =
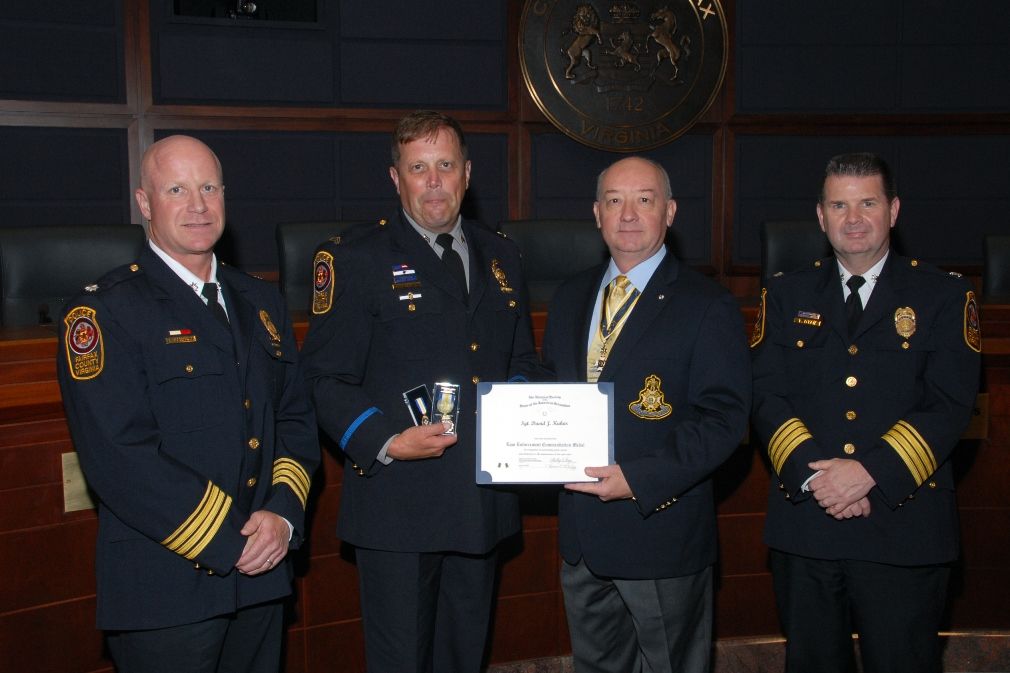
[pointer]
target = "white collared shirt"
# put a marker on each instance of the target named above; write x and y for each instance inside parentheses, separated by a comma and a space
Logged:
(191, 279)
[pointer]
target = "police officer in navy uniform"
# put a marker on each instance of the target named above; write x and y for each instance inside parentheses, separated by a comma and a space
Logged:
(427, 297)
(865, 373)
(639, 543)
(185, 401)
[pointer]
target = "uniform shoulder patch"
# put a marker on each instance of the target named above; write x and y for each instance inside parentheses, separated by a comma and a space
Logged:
(322, 283)
(84, 344)
(972, 327)
(758, 334)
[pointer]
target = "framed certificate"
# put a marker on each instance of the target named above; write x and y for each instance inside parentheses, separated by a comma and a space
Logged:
(543, 433)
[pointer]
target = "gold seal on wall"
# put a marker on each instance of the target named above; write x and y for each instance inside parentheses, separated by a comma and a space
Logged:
(623, 76)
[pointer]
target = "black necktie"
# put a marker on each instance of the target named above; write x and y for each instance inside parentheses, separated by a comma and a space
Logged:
(854, 305)
(210, 292)
(453, 262)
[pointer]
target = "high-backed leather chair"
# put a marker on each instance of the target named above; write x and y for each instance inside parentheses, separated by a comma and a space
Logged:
(553, 251)
(789, 244)
(296, 246)
(996, 270)
(43, 266)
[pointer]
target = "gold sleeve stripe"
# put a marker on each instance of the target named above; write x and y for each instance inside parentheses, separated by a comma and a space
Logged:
(791, 434)
(287, 471)
(202, 525)
(913, 450)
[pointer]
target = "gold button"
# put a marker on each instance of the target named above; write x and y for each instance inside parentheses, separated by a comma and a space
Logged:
(932, 484)
(850, 415)
(189, 369)
(512, 303)
(247, 404)
(905, 345)
(853, 349)
(382, 223)
(851, 381)
(210, 572)
(800, 344)
(278, 353)
(474, 346)
(915, 262)
(411, 307)
(849, 449)
(134, 268)
(196, 566)
(254, 443)
(251, 482)
(476, 379)
(817, 264)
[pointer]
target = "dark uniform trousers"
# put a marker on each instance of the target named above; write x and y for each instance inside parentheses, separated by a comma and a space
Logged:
(387, 317)
(896, 396)
(184, 427)
(637, 574)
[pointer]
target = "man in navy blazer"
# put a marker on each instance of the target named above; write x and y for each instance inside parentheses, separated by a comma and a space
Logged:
(638, 545)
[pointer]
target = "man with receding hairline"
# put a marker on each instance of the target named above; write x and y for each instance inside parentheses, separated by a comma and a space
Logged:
(638, 545)
(184, 398)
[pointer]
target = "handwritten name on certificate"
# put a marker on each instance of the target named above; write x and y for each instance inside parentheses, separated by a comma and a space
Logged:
(543, 433)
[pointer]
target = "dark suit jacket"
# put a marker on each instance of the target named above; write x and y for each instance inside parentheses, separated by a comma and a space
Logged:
(688, 331)
(382, 335)
(895, 402)
(184, 429)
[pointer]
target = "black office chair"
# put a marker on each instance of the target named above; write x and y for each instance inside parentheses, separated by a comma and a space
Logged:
(996, 270)
(296, 246)
(553, 251)
(43, 266)
(789, 244)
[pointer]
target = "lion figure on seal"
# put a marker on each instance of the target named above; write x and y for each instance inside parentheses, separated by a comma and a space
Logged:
(586, 26)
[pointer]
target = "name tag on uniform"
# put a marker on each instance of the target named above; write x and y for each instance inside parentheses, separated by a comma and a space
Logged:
(807, 318)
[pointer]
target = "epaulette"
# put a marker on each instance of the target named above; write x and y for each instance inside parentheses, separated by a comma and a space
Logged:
(115, 277)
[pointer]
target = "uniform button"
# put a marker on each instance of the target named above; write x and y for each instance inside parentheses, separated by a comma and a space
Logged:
(278, 353)
(247, 404)
(905, 345)
(853, 349)
(512, 303)
(851, 381)
(189, 369)
(849, 449)
(196, 566)
(474, 346)
(915, 262)
(134, 268)
(476, 380)
(932, 484)
(800, 344)
(251, 482)
(254, 443)
(850, 415)
(411, 308)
